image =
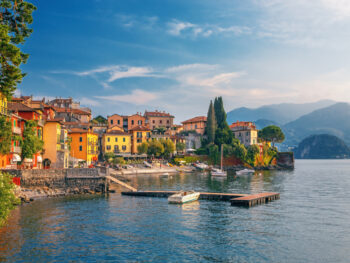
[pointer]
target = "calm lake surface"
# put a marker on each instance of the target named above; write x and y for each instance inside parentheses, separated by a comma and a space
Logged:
(310, 223)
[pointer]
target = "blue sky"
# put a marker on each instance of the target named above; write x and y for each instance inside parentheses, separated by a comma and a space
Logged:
(175, 55)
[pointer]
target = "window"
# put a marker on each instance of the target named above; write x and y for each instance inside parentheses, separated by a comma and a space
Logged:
(118, 121)
(111, 121)
(116, 139)
(139, 140)
(139, 134)
(139, 122)
(124, 139)
(132, 122)
(80, 148)
(80, 139)
(195, 126)
(148, 135)
(108, 139)
(124, 147)
(247, 133)
(108, 147)
(168, 121)
(153, 121)
(116, 148)
(160, 121)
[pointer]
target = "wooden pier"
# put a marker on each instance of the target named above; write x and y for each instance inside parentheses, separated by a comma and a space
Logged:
(235, 199)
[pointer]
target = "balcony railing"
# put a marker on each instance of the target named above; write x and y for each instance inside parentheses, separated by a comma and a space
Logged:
(16, 149)
(16, 130)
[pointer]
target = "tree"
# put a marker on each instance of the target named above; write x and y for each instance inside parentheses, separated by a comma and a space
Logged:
(272, 134)
(109, 157)
(7, 197)
(211, 124)
(214, 154)
(32, 144)
(239, 151)
(99, 119)
(220, 113)
(5, 135)
(180, 147)
(15, 17)
(169, 148)
(155, 148)
(252, 152)
(142, 148)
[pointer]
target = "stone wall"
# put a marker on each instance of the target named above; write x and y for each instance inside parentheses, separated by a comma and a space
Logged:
(285, 160)
(75, 179)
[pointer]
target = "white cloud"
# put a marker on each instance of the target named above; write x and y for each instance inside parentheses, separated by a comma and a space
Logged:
(89, 102)
(137, 97)
(176, 27)
(129, 72)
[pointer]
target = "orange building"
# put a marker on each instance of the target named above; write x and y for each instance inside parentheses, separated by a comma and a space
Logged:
(197, 124)
(126, 122)
(84, 145)
(139, 135)
(158, 119)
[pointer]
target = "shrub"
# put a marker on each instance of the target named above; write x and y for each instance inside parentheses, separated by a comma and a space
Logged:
(8, 200)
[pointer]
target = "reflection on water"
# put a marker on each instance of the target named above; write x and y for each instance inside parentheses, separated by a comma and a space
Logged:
(310, 223)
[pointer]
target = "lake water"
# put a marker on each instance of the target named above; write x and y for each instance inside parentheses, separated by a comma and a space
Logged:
(310, 223)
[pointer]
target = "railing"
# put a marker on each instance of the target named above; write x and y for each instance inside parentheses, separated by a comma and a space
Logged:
(16, 149)
(16, 130)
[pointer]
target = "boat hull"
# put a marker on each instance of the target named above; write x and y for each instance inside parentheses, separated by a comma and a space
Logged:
(181, 199)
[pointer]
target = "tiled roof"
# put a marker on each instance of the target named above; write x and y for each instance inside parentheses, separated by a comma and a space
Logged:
(157, 114)
(115, 132)
(76, 130)
(15, 106)
(195, 119)
(69, 110)
(60, 120)
(243, 124)
(140, 128)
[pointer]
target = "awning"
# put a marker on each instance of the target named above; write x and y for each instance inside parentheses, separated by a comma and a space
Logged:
(16, 158)
(39, 159)
(28, 160)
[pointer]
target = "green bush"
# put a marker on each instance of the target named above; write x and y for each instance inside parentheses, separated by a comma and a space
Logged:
(8, 200)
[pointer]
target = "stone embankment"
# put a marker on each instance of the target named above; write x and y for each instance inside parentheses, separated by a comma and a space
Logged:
(59, 182)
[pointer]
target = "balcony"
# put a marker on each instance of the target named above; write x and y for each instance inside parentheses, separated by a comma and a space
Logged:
(16, 149)
(16, 130)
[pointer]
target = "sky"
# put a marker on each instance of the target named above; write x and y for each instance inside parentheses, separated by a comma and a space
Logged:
(128, 56)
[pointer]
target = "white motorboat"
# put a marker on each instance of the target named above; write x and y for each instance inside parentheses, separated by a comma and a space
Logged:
(245, 171)
(219, 172)
(183, 197)
(201, 166)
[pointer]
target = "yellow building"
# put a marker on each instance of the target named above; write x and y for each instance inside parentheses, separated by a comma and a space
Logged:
(84, 145)
(139, 134)
(56, 147)
(117, 142)
(3, 104)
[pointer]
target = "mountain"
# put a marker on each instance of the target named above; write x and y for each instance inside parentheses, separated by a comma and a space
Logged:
(333, 120)
(322, 146)
(262, 123)
(279, 113)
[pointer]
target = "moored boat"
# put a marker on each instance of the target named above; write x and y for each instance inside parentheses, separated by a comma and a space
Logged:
(245, 171)
(218, 172)
(183, 197)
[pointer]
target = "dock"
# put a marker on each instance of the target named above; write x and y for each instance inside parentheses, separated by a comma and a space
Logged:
(235, 199)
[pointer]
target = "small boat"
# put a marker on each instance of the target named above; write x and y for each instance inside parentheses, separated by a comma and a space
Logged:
(201, 166)
(219, 172)
(245, 171)
(183, 197)
(165, 174)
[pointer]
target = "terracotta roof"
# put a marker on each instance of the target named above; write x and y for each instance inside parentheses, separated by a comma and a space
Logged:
(243, 124)
(76, 130)
(140, 128)
(195, 119)
(115, 132)
(16, 106)
(60, 120)
(157, 114)
(69, 110)
(76, 123)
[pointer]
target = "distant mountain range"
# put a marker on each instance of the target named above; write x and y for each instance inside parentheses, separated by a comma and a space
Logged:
(322, 146)
(323, 117)
(278, 113)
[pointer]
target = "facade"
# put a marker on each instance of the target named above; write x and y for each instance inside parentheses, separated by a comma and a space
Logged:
(196, 124)
(84, 145)
(245, 132)
(139, 135)
(158, 119)
(126, 122)
(117, 142)
(27, 113)
(56, 148)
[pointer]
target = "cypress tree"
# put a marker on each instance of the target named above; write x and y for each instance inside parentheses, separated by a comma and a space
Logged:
(211, 123)
(220, 113)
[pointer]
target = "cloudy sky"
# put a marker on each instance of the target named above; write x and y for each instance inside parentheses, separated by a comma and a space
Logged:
(124, 56)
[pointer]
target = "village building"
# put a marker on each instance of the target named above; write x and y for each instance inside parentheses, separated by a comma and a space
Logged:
(117, 142)
(196, 124)
(139, 135)
(84, 146)
(245, 132)
(158, 119)
(126, 123)
(56, 144)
